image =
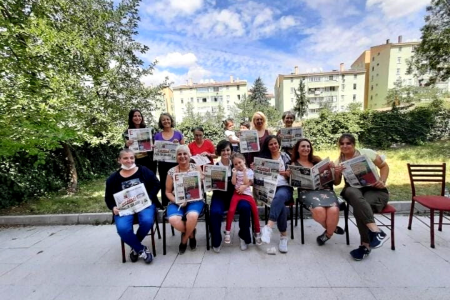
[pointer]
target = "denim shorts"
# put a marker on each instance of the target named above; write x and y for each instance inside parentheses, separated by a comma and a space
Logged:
(194, 206)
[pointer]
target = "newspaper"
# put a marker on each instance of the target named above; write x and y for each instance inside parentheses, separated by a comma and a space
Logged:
(187, 187)
(266, 172)
(142, 139)
(216, 178)
(311, 178)
(248, 141)
(165, 151)
(360, 171)
(290, 136)
(200, 160)
(132, 200)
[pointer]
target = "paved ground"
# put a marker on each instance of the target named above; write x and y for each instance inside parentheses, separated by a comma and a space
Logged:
(83, 262)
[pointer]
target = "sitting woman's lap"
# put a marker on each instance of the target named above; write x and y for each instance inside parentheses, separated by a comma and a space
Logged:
(194, 207)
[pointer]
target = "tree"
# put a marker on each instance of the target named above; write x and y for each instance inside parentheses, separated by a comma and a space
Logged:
(301, 101)
(400, 94)
(354, 107)
(258, 93)
(432, 56)
(69, 75)
(246, 108)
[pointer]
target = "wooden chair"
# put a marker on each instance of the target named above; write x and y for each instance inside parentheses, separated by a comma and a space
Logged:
(290, 204)
(429, 173)
(342, 207)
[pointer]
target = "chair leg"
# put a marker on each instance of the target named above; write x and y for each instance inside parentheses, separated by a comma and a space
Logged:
(432, 227)
(153, 241)
(266, 213)
(164, 234)
(124, 259)
(173, 231)
(157, 226)
(207, 226)
(441, 216)
(347, 235)
(411, 214)
(302, 232)
(393, 231)
(296, 212)
(253, 229)
(291, 212)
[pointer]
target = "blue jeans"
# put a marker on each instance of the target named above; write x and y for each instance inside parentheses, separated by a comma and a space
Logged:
(125, 230)
(219, 204)
(278, 207)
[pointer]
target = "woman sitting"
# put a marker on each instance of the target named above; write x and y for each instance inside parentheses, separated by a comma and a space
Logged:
(183, 217)
(365, 200)
(324, 205)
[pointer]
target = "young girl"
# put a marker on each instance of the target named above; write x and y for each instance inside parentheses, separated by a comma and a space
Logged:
(231, 135)
(242, 179)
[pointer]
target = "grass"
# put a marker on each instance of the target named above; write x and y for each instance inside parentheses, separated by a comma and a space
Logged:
(397, 158)
(90, 197)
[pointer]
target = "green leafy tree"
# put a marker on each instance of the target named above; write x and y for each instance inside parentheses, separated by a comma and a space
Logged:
(69, 75)
(301, 101)
(432, 56)
(246, 108)
(258, 93)
(400, 94)
(354, 107)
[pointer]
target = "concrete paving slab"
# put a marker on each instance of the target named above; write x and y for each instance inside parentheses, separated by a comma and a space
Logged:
(139, 293)
(181, 275)
(173, 293)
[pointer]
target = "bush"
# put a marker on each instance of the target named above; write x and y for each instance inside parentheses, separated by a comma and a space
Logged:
(22, 177)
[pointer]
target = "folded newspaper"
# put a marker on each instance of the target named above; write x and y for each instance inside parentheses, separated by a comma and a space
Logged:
(248, 141)
(165, 151)
(290, 136)
(311, 178)
(132, 200)
(187, 187)
(266, 172)
(216, 178)
(360, 172)
(142, 139)
(200, 160)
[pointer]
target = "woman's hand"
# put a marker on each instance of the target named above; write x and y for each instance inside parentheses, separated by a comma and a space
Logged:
(205, 154)
(175, 141)
(128, 143)
(116, 210)
(379, 184)
(338, 170)
(286, 173)
(183, 204)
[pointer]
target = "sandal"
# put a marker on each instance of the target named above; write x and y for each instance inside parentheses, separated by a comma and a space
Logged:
(227, 237)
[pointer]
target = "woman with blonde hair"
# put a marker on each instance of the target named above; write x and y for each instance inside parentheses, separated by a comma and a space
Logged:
(259, 123)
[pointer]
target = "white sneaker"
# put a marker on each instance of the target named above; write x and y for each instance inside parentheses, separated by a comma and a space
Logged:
(283, 244)
(266, 232)
(258, 239)
(243, 246)
(217, 250)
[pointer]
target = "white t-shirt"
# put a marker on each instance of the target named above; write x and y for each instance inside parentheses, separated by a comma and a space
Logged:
(281, 179)
(240, 181)
(232, 134)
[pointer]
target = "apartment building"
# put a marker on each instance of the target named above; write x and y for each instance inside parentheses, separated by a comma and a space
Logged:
(336, 89)
(209, 96)
(386, 64)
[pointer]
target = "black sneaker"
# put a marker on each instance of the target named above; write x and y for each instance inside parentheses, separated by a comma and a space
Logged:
(193, 241)
(146, 255)
(360, 253)
(182, 248)
(321, 239)
(339, 230)
(377, 239)
(134, 256)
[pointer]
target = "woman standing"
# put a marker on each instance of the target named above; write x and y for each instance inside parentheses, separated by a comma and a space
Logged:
(202, 146)
(130, 175)
(166, 123)
(283, 193)
(365, 200)
(136, 121)
(220, 202)
(183, 217)
(323, 204)
(259, 123)
(288, 118)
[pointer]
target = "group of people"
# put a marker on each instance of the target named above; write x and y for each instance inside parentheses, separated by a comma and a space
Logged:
(323, 203)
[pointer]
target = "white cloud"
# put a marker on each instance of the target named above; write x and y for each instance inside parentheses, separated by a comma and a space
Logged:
(398, 8)
(218, 24)
(186, 6)
(176, 59)
(287, 21)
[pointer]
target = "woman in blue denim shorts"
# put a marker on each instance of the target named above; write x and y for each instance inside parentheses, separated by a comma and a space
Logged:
(183, 217)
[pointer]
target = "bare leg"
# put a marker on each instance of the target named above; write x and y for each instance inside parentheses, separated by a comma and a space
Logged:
(178, 224)
(319, 215)
(332, 219)
(191, 222)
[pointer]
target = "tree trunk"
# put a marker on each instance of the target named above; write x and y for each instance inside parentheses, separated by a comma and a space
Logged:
(71, 169)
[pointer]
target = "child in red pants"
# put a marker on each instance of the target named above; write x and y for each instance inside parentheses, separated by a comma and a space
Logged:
(242, 180)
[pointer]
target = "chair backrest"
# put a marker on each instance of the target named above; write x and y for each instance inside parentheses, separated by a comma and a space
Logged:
(427, 173)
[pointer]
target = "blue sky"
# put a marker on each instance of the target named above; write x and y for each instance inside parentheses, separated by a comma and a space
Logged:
(213, 39)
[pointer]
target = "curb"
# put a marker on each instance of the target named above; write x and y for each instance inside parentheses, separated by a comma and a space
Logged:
(402, 207)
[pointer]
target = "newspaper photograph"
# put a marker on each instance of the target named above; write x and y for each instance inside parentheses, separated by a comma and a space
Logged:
(132, 200)
(266, 172)
(142, 139)
(290, 136)
(216, 178)
(249, 141)
(311, 178)
(360, 171)
(200, 160)
(187, 187)
(165, 151)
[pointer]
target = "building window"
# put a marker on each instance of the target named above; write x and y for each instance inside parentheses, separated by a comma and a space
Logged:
(373, 68)
(354, 97)
(373, 58)
(204, 100)
(292, 90)
(198, 100)
(227, 88)
(292, 79)
(292, 100)
(399, 60)
(371, 88)
(378, 54)
(343, 87)
(400, 49)
(354, 86)
(182, 101)
(215, 89)
(372, 77)
(181, 91)
(355, 76)
(238, 87)
(330, 77)
(398, 71)
(192, 99)
(371, 97)
(215, 99)
(239, 97)
(342, 98)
